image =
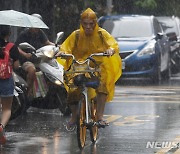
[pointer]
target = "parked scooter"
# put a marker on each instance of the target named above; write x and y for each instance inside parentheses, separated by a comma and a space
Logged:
(19, 99)
(49, 90)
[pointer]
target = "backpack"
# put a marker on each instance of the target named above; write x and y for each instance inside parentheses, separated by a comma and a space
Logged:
(77, 33)
(6, 63)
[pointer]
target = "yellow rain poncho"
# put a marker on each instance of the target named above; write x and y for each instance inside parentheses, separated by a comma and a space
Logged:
(86, 45)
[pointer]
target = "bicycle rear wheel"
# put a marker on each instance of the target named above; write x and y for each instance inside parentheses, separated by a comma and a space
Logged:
(81, 127)
(94, 128)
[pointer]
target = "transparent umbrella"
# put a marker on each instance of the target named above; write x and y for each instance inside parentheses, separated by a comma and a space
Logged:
(15, 18)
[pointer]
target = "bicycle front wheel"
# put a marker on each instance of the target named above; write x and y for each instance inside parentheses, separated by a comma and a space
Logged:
(94, 127)
(81, 127)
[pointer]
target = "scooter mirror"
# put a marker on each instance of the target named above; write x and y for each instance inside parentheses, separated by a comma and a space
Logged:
(25, 46)
(59, 37)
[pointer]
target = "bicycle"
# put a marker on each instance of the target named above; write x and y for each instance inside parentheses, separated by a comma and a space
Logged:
(83, 76)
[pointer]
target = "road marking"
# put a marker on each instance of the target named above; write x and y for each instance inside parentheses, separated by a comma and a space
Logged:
(113, 118)
(121, 88)
(143, 101)
(135, 120)
(146, 96)
(177, 152)
(161, 94)
(130, 120)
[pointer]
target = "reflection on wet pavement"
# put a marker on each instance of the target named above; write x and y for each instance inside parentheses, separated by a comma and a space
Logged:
(139, 115)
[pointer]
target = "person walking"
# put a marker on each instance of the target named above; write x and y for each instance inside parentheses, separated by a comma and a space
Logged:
(9, 50)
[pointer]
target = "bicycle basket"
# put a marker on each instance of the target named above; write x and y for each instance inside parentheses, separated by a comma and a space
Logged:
(81, 79)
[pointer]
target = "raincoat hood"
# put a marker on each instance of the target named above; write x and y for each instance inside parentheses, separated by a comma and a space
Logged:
(89, 14)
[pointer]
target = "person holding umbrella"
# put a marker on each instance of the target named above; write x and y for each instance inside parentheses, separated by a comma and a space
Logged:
(37, 38)
(6, 83)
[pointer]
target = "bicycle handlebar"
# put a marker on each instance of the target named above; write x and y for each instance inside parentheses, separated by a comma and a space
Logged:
(90, 58)
(64, 55)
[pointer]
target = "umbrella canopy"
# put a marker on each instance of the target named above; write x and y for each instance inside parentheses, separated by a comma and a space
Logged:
(15, 18)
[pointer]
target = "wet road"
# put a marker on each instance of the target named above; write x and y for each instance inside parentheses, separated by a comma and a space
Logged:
(144, 119)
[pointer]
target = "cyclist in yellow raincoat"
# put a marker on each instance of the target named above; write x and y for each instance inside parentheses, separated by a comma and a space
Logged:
(92, 39)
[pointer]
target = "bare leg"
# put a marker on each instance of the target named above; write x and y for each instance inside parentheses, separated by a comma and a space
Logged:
(71, 125)
(6, 110)
(31, 74)
(101, 101)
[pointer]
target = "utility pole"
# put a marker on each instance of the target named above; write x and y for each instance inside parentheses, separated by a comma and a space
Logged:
(15, 5)
(109, 6)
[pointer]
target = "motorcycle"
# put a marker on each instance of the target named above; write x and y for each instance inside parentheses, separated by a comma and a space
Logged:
(49, 90)
(19, 99)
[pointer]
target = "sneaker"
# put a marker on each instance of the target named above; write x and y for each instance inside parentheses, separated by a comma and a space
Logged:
(2, 136)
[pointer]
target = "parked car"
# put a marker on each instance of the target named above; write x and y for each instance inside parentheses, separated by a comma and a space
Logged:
(171, 26)
(144, 47)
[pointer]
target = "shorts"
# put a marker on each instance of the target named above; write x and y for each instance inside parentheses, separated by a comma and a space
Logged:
(74, 94)
(102, 88)
(7, 87)
(27, 64)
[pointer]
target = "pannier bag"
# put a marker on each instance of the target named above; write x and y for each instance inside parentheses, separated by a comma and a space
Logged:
(40, 88)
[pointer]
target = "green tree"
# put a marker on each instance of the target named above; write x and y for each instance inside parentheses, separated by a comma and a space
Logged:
(63, 15)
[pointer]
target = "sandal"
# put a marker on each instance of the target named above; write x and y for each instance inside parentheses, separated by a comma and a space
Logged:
(70, 126)
(102, 123)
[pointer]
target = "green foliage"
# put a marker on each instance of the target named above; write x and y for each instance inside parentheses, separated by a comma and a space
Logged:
(148, 4)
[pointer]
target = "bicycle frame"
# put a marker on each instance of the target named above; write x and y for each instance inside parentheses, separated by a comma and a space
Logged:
(84, 92)
(88, 121)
